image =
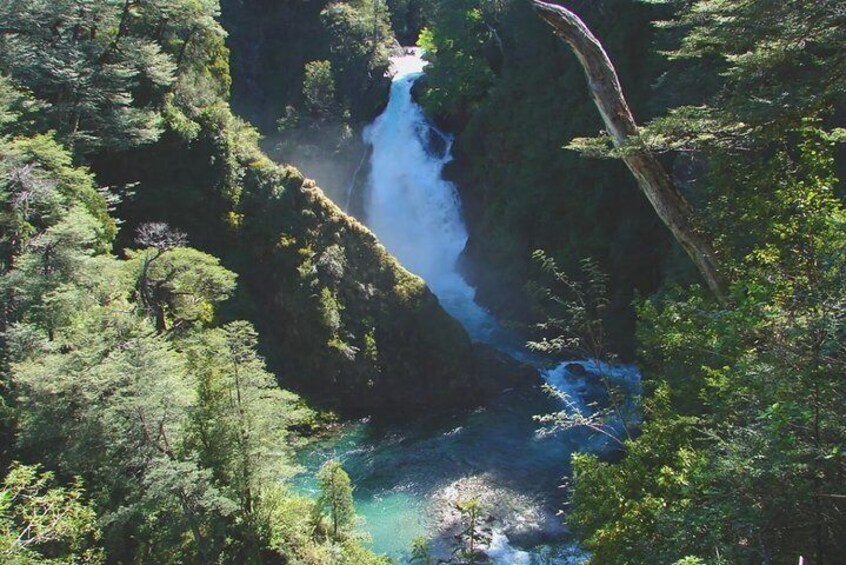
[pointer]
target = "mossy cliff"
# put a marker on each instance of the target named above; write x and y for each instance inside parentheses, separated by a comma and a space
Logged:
(520, 189)
(338, 315)
(316, 127)
(361, 326)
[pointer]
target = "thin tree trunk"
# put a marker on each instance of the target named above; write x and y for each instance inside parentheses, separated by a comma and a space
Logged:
(184, 47)
(604, 85)
(123, 28)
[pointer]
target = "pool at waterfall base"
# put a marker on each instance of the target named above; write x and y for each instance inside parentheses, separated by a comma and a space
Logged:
(409, 476)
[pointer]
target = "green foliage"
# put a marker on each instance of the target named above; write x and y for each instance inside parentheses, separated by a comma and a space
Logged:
(13, 105)
(179, 287)
(41, 523)
(360, 39)
(292, 535)
(420, 551)
(409, 17)
(240, 428)
(319, 88)
(455, 44)
(691, 561)
(354, 36)
(471, 535)
(105, 69)
(371, 349)
(335, 502)
(43, 287)
(288, 243)
(744, 438)
(777, 61)
(114, 372)
(38, 182)
(739, 458)
(575, 327)
(330, 312)
(634, 511)
(186, 429)
(743, 75)
(576, 308)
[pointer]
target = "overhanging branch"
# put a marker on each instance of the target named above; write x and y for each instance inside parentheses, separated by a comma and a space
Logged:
(669, 203)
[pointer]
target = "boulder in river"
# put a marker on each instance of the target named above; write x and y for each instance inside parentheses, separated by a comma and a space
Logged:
(576, 369)
(499, 372)
(522, 519)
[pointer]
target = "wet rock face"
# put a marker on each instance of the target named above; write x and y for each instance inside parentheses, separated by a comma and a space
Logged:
(501, 372)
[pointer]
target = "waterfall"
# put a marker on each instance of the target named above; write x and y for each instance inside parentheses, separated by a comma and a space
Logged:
(413, 210)
(417, 215)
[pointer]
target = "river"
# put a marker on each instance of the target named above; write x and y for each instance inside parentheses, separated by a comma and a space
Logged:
(409, 476)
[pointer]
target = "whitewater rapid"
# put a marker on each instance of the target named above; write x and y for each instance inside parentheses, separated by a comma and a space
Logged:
(417, 215)
(413, 210)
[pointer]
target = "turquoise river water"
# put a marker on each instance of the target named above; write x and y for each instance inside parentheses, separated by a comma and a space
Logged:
(409, 476)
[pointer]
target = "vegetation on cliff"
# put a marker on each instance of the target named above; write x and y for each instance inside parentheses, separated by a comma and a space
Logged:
(740, 456)
(132, 390)
(516, 96)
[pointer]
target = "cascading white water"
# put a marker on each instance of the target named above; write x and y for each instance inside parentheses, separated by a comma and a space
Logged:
(415, 212)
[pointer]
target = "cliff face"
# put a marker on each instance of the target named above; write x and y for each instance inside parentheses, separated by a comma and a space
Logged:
(522, 191)
(341, 321)
(348, 319)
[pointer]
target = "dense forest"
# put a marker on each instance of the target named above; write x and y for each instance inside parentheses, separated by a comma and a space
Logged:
(739, 458)
(183, 311)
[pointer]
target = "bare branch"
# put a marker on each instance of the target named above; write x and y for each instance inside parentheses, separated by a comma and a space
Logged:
(604, 85)
(160, 236)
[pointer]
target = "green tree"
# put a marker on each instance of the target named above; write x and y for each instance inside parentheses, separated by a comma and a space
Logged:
(67, 53)
(105, 69)
(38, 184)
(45, 286)
(43, 523)
(743, 440)
(471, 534)
(360, 41)
(112, 368)
(777, 63)
(336, 500)
(456, 44)
(178, 286)
(319, 89)
(241, 420)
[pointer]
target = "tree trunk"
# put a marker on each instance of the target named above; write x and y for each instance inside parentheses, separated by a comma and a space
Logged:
(184, 47)
(604, 85)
